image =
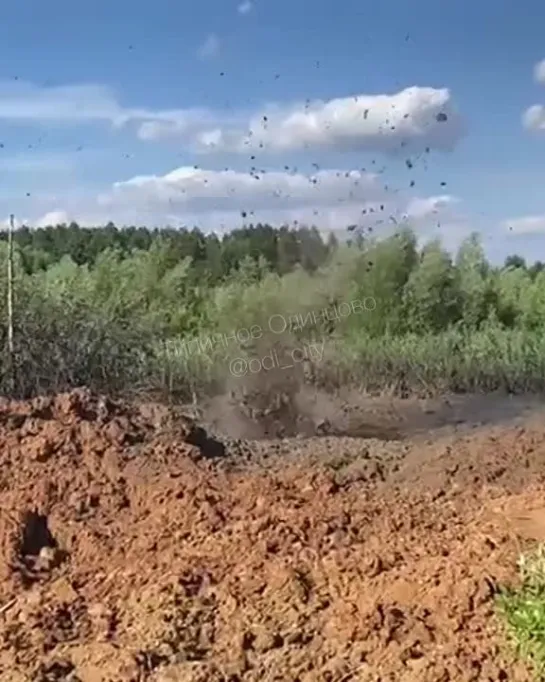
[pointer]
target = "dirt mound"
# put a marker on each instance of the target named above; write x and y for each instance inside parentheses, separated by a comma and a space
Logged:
(129, 555)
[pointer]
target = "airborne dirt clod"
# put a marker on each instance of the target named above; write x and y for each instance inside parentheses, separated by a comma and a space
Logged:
(137, 546)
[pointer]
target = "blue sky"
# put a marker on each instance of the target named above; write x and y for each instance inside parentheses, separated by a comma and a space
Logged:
(107, 107)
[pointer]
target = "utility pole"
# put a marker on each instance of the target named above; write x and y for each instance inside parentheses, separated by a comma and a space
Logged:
(10, 303)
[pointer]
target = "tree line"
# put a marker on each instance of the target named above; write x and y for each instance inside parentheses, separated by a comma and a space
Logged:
(217, 255)
(212, 255)
(114, 308)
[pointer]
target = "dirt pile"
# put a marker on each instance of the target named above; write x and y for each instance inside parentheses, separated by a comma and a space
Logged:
(128, 554)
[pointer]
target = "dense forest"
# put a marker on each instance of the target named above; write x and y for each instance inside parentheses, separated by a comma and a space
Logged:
(117, 309)
(213, 256)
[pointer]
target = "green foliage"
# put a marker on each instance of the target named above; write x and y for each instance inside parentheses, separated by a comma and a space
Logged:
(522, 608)
(477, 297)
(116, 309)
(431, 299)
(382, 273)
(214, 258)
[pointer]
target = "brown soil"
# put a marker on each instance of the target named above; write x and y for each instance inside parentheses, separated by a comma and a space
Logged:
(134, 546)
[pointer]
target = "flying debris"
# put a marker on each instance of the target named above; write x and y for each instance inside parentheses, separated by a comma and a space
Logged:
(441, 117)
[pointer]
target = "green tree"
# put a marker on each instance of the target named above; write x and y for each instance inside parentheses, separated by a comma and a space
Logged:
(430, 297)
(476, 293)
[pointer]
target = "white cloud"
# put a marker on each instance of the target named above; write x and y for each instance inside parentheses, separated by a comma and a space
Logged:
(77, 104)
(431, 206)
(415, 117)
(412, 119)
(183, 124)
(180, 124)
(222, 200)
(22, 101)
(539, 72)
(210, 47)
(58, 217)
(534, 118)
(245, 7)
(82, 104)
(526, 225)
(188, 189)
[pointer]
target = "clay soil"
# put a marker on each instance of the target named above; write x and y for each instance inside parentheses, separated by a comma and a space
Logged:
(135, 546)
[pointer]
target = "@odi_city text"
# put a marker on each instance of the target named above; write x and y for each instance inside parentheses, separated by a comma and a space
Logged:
(313, 351)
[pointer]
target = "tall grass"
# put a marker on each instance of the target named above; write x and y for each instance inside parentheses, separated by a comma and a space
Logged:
(432, 324)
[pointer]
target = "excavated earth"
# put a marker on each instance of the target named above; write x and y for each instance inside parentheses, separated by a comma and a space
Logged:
(135, 546)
